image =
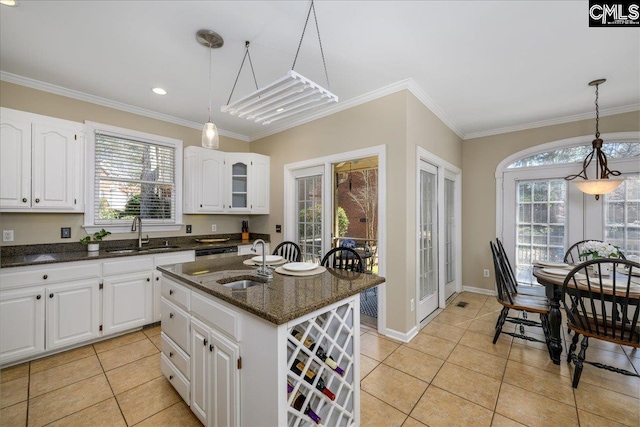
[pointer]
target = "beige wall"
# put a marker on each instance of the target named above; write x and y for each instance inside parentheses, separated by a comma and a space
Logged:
(45, 228)
(480, 157)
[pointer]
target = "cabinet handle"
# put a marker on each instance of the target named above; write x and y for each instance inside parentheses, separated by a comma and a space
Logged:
(39, 296)
(170, 315)
(170, 377)
(157, 278)
(211, 347)
(171, 354)
(37, 200)
(50, 295)
(170, 291)
(200, 205)
(24, 200)
(204, 341)
(45, 277)
(148, 279)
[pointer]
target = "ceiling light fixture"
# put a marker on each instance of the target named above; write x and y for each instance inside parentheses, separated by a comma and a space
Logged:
(290, 95)
(211, 40)
(159, 91)
(602, 184)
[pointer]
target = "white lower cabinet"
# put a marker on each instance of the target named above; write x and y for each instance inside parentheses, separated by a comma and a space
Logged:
(127, 302)
(21, 323)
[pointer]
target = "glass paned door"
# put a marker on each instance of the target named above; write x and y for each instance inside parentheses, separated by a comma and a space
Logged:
(309, 216)
(427, 242)
(622, 217)
(450, 236)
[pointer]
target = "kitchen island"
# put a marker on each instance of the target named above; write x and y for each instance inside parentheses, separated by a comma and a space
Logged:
(230, 352)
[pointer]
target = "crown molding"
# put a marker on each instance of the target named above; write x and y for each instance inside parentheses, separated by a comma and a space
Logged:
(406, 84)
(81, 96)
(552, 122)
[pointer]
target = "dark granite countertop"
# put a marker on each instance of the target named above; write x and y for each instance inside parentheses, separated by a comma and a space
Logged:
(19, 256)
(282, 298)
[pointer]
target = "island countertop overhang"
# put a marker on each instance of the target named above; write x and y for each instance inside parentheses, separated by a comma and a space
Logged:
(278, 301)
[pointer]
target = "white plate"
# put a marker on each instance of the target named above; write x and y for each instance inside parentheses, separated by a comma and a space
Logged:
(300, 266)
(608, 284)
(269, 258)
(623, 270)
(552, 264)
(555, 271)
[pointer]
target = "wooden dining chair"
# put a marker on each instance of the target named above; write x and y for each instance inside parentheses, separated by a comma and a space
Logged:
(289, 251)
(572, 256)
(604, 307)
(343, 259)
(512, 282)
(511, 300)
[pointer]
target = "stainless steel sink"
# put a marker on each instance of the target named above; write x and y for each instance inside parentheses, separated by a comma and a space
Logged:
(125, 251)
(243, 284)
(161, 248)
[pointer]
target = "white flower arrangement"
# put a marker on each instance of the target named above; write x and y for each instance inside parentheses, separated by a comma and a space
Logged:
(594, 249)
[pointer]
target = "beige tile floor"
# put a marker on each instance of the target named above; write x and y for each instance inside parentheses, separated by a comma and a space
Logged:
(449, 375)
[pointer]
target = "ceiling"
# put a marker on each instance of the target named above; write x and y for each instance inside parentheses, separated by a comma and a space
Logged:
(483, 67)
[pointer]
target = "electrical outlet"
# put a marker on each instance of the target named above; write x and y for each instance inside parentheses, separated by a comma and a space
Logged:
(214, 227)
(65, 233)
(7, 235)
(485, 272)
(188, 228)
(413, 304)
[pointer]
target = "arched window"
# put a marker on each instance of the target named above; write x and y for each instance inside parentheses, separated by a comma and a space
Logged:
(540, 214)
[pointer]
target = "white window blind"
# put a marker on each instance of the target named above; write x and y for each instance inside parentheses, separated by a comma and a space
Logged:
(133, 178)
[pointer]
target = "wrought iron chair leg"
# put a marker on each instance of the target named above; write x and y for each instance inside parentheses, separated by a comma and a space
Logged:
(573, 346)
(501, 320)
(579, 361)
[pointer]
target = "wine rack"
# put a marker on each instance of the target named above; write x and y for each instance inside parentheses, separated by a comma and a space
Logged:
(333, 331)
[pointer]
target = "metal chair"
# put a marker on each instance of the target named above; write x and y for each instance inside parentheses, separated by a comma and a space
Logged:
(572, 256)
(602, 307)
(343, 259)
(523, 303)
(289, 251)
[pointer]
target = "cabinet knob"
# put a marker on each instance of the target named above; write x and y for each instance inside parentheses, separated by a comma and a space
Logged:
(211, 347)
(157, 278)
(24, 200)
(200, 205)
(148, 279)
(171, 354)
(170, 377)
(37, 200)
(170, 315)
(170, 291)
(204, 341)
(45, 277)
(39, 296)
(50, 295)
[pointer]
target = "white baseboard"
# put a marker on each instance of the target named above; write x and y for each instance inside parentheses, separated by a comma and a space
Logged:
(482, 291)
(401, 336)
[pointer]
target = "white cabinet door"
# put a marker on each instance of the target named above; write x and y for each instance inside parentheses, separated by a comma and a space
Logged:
(53, 167)
(211, 181)
(239, 182)
(157, 296)
(21, 323)
(73, 313)
(225, 381)
(199, 370)
(15, 163)
(259, 197)
(127, 302)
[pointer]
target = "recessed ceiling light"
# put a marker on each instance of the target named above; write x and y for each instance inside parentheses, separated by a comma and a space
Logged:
(156, 90)
(9, 2)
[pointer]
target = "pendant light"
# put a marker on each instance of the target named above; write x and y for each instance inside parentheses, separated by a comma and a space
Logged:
(601, 184)
(211, 40)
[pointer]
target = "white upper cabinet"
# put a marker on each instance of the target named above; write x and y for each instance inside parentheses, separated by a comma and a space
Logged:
(41, 163)
(219, 182)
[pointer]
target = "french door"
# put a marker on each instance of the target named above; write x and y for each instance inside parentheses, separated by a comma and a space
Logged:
(308, 221)
(427, 241)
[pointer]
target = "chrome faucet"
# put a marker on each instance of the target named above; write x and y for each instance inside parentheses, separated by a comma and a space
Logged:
(137, 226)
(262, 271)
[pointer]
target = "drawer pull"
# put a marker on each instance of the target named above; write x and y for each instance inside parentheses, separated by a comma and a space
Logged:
(51, 295)
(148, 279)
(204, 341)
(45, 277)
(170, 377)
(37, 200)
(211, 347)
(170, 315)
(24, 200)
(39, 296)
(157, 278)
(171, 354)
(170, 291)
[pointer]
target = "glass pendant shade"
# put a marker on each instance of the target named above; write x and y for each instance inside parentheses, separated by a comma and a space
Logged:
(210, 137)
(598, 186)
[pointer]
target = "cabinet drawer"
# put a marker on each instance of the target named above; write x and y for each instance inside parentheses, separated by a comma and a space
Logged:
(175, 258)
(55, 273)
(180, 383)
(127, 265)
(223, 318)
(178, 357)
(175, 323)
(175, 293)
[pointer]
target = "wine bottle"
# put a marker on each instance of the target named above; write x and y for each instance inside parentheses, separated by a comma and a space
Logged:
(310, 344)
(309, 375)
(297, 403)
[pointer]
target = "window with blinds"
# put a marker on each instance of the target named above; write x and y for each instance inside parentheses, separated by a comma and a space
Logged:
(133, 178)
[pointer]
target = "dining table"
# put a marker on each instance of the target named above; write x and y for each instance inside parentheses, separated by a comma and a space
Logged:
(553, 285)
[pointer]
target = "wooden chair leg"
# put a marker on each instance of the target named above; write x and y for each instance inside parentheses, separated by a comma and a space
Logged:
(500, 324)
(573, 346)
(580, 360)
